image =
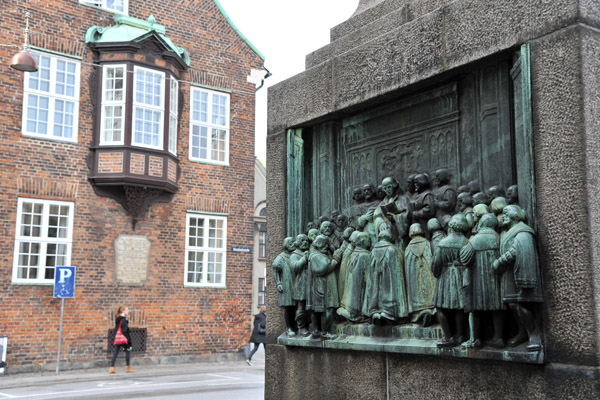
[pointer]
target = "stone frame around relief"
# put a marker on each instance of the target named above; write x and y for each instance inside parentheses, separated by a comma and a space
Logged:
(320, 152)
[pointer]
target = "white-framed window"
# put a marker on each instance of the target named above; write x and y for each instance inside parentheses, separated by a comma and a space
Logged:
(120, 6)
(205, 250)
(43, 239)
(148, 108)
(262, 291)
(262, 244)
(173, 109)
(114, 85)
(209, 126)
(51, 98)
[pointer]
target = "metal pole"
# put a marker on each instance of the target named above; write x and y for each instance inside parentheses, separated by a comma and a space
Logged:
(62, 307)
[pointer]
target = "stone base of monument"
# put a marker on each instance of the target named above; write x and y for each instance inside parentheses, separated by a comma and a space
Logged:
(408, 339)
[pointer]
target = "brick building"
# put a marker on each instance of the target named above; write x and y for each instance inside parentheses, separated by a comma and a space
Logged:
(130, 155)
(259, 258)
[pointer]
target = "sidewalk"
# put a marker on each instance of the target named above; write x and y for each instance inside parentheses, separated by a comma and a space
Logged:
(46, 377)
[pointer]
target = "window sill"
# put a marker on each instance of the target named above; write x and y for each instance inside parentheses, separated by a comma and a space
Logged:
(48, 138)
(188, 286)
(23, 283)
(102, 8)
(209, 162)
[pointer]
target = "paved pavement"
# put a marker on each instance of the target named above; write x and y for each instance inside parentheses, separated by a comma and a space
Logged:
(223, 380)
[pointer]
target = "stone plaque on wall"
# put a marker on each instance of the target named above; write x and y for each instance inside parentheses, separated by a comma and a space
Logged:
(132, 253)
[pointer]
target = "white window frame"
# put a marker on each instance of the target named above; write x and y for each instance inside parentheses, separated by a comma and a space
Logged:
(105, 4)
(262, 244)
(205, 250)
(262, 291)
(173, 114)
(43, 240)
(209, 126)
(149, 107)
(113, 103)
(52, 97)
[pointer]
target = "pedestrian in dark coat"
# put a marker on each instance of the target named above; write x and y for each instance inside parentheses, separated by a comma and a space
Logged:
(259, 331)
(121, 321)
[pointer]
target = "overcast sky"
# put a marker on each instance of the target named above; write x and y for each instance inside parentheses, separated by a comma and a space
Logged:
(284, 31)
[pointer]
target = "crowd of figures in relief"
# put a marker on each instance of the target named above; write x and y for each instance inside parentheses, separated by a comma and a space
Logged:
(464, 258)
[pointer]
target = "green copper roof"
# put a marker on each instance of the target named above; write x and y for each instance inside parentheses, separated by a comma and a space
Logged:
(129, 29)
(240, 34)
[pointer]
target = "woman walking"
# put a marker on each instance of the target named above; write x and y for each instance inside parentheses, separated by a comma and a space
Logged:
(121, 322)
(258, 332)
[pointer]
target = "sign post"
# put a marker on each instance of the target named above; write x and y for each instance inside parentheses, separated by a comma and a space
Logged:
(64, 288)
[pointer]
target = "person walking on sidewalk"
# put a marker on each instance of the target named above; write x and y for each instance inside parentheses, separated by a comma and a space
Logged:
(259, 331)
(121, 322)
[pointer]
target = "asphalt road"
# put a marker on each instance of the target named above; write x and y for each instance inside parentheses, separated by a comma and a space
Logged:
(218, 381)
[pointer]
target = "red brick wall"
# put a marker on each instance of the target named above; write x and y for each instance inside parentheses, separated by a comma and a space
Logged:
(180, 321)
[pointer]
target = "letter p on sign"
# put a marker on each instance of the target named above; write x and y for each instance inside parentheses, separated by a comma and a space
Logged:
(64, 282)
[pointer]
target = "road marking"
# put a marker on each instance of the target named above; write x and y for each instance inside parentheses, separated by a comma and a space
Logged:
(224, 376)
(139, 387)
(10, 396)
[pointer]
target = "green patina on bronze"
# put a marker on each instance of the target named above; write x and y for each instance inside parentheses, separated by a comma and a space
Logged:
(458, 289)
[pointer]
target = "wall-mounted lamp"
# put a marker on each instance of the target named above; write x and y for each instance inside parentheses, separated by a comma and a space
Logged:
(23, 61)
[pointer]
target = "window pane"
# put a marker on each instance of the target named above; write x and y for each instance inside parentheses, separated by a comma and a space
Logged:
(206, 233)
(200, 106)
(115, 84)
(63, 119)
(37, 114)
(195, 266)
(173, 134)
(147, 127)
(113, 123)
(44, 229)
(219, 112)
(214, 268)
(49, 273)
(148, 87)
(52, 97)
(199, 142)
(40, 80)
(65, 77)
(218, 145)
(116, 5)
(196, 232)
(31, 220)
(173, 106)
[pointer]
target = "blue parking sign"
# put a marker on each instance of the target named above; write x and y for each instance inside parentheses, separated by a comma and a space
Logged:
(64, 282)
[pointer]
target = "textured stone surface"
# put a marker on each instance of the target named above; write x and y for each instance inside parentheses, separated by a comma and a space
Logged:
(298, 99)
(392, 61)
(448, 37)
(473, 28)
(565, 57)
(295, 373)
(589, 12)
(276, 203)
(366, 16)
(591, 100)
(561, 198)
(364, 28)
(415, 377)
